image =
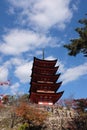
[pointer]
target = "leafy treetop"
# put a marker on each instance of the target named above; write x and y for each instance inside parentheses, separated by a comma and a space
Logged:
(79, 45)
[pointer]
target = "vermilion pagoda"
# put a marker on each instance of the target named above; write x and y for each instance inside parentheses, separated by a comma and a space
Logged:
(43, 85)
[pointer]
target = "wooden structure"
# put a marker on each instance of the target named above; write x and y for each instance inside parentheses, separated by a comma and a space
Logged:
(43, 85)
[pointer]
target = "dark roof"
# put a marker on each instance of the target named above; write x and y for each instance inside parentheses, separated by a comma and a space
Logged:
(44, 63)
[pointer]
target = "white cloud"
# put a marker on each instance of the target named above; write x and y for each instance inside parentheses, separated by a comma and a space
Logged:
(20, 41)
(74, 73)
(70, 74)
(17, 61)
(61, 66)
(3, 74)
(75, 5)
(43, 14)
(50, 58)
(6, 67)
(59, 63)
(14, 88)
(1, 59)
(23, 72)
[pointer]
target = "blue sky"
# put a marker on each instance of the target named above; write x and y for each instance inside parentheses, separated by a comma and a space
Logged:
(28, 26)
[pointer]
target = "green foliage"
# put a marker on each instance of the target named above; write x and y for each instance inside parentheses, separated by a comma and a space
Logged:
(79, 45)
(24, 126)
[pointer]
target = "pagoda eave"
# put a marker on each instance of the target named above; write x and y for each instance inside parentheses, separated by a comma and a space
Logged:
(44, 78)
(44, 70)
(45, 63)
(44, 86)
(45, 97)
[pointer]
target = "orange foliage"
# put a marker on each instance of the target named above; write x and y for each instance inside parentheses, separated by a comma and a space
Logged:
(32, 114)
(5, 99)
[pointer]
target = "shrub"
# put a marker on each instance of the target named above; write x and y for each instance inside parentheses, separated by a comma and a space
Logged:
(24, 126)
(33, 115)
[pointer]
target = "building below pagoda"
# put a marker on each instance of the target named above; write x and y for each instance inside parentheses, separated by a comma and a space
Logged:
(44, 85)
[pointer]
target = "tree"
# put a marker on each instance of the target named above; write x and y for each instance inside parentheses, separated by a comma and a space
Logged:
(79, 122)
(5, 99)
(81, 104)
(34, 116)
(79, 45)
(24, 98)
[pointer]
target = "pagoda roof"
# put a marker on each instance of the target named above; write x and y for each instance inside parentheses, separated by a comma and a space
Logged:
(45, 86)
(44, 63)
(44, 70)
(44, 78)
(45, 97)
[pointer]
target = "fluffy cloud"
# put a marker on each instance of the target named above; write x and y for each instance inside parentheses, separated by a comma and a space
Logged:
(17, 61)
(20, 41)
(3, 74)
(70, 74)
(59, 63)
(74, 73)
(14, 88)
(42, 14)
(23, 72)
(38, 14)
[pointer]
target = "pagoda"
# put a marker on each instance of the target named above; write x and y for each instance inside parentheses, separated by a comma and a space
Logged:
(44, 85)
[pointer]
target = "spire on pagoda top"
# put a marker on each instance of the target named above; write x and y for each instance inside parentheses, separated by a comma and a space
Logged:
(43, 54)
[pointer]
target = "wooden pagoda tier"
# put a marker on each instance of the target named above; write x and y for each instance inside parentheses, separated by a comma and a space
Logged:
(44, 78)
(44, 63)
(43, 85)
(46, 71)
(45, 97)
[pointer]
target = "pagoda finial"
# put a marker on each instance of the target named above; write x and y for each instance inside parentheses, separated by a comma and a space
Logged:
(43, 54)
